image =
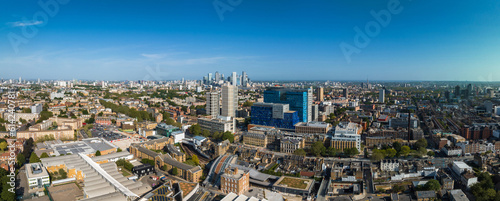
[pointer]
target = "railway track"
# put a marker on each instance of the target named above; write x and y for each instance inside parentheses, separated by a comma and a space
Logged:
(190, 153)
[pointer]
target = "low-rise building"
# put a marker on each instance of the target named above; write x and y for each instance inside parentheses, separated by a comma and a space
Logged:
(389, 165)
(235, 180)
(37, 176)
(220, 124)
(312, 127)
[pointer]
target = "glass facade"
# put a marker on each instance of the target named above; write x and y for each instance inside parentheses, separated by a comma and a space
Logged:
(263, 115)
(297, 99)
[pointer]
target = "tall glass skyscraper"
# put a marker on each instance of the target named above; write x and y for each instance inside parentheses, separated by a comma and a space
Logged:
(299, 100)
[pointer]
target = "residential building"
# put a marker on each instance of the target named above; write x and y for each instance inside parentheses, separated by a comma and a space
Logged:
(345, 93)
(234, 180)
(458, 195)
(255, 139)
(425, 195)
(389, 165)
(229, 100)
(319, 95)
(381, 96)
(212, 106)
(36, 109)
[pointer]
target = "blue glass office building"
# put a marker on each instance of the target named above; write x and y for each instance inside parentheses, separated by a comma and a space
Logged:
(267, 115)
(299, 100)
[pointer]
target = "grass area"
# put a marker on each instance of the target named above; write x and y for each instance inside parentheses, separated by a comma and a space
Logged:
(87, 129)
(125, 173)
(190, 162)
(294, 182)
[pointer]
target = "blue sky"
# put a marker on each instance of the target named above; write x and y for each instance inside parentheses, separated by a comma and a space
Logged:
(271, 40)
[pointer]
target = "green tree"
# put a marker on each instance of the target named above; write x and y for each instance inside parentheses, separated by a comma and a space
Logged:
(44, 155)
(422, 151)
(422, 142)
(174, 171)
(205, 133)
(3, 145)
(195, 129)
(34, 158)
(63, 173)
(228, 136)
(318, 148)
(405, 150)
(119, 150)
(299, 152)
(430, 153)
(332, 151)
(397, 188)
(351, 151)
(21, 159)
(391, 153)
(97, 153)
(397, 146)
(195, 159)
(432, 185)
(377, 156)
(164, 167)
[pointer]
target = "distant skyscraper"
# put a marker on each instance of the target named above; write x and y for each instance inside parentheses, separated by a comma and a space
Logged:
(447, 96)
(299, 100)
(319, 94)
(213, 104)
(229, 100)
(209, 77)
(345, 93)
(244, 78)
(217, 76)
(234, 79)
(457, 91)
(381, 96)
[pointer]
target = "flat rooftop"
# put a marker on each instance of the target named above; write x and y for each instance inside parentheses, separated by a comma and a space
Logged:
(35, 170)
(64, 192)
(99, 144)
(297, 183)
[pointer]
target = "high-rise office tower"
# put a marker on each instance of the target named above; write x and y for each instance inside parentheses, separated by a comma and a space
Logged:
(381, 96)
(299, 100)
(319, 94)
(244, 78)
(345, 93)
(213, 104)
(234, 79)
(229, 100)
(217, 76)
(209, 77)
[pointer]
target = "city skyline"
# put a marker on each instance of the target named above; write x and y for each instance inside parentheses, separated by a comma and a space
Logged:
(270, 41)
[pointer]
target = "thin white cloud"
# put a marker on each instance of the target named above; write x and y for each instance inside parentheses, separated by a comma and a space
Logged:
(162, 55)
(25, 23)
(153, 56)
